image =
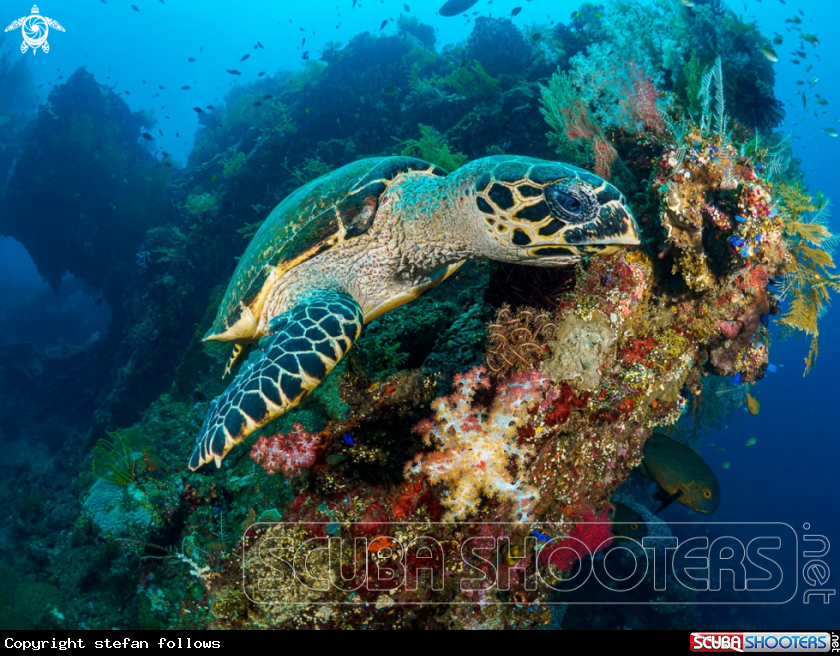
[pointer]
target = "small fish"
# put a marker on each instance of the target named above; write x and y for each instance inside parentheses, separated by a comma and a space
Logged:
(198, 110)
(680, 473)
(795, 20)
(126, 92)
(768, 52)
(348, 439)
(267, 96)
(305, 55)
(134, 7)
(725, 464)
(244, 57)
(751, 442)
(233, 71)
(384, 23)
(390, 90)
(455, 7)
(516, 11)
(186, 87)
(687, 3)
(778, 40)
(260, 46)
(813, 81)
(810, 38)
(831, 132)
(536, 37)
(261, 73)
(192, 60)
(147, 136)
(210, 107)
(160, 86)
(257, 104)
(160, 132)
(822, 101)
(542, 537)
(407, 8)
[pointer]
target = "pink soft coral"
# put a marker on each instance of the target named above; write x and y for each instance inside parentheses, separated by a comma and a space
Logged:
(287, 454)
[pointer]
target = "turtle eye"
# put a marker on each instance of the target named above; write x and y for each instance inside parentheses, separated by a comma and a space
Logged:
(571, 203)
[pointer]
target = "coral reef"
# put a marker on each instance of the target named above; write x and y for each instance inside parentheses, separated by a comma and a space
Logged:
(509, 396)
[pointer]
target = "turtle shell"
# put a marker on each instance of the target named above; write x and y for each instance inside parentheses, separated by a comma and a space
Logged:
(340, 205)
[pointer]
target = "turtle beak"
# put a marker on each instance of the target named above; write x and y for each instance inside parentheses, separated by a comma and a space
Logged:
(614, 228)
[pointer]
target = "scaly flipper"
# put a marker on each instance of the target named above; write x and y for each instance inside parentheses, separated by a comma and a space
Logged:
(301, 347)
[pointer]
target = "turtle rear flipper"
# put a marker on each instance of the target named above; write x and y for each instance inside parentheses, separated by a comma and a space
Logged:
(302, 346)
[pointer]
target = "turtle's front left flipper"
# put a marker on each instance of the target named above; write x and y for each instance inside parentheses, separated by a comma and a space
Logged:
(302, 346)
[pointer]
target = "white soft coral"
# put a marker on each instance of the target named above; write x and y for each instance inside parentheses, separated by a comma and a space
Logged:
(477, 446)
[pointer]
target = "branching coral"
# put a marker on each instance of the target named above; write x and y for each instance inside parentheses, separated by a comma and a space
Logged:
(477, 446)
(809, 277)
(517, 340)
(575, 132)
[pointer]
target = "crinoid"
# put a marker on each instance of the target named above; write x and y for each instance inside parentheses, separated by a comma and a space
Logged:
(517, 340)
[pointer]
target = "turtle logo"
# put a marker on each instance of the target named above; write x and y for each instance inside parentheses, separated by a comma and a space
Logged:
(35, 29)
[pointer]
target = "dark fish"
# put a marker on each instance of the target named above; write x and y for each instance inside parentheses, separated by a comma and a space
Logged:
(147, 136)
(160, 86)
(384, 23)
(354, 4)
(516, 11)
(210, 107)
(160, 132)
(198, 110)
(233, 71)
(244, 57)
(257, 104)
(260, 45)
(165, 154)
(191, 59)
(126, 92)
(390, 90)
(134, 7)
(536, 37)
(261, 73)
(186, 87)
(407, 8)
(456, 7)
(681, 474)
(627, 523)
(305, 55)
(267, 96)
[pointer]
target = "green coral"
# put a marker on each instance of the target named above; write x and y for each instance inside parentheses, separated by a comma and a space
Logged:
(432, 147)
(200, 204)
(473, 82)
(232, 166)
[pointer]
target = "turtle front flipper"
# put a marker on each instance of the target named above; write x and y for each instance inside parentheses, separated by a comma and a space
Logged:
(301, 347)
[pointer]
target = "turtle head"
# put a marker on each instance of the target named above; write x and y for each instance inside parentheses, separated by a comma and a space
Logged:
(548, 213)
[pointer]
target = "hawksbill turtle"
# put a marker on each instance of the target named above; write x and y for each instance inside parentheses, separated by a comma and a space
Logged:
(372, 236)
(35, 29)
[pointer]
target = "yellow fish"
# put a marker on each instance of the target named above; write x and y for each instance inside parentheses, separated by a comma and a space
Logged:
(681, 475)
(753, 404)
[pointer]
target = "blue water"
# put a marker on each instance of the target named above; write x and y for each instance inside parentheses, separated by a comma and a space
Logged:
(790, 475)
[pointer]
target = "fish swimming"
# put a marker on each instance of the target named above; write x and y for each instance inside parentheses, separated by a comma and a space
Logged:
(681, 474)
(627, 523)
(456, 7)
